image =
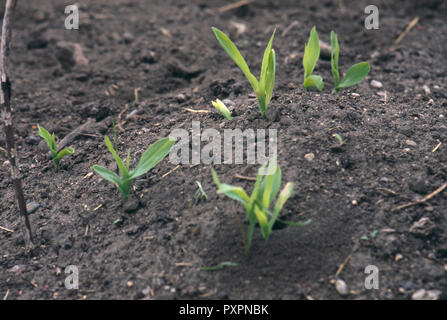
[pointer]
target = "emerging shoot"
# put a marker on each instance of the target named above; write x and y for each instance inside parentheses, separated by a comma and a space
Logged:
(264, 87)
(258, 205)
(310, 58)
(222, 108)
(354, 75)
(150, 158)
(50, 139)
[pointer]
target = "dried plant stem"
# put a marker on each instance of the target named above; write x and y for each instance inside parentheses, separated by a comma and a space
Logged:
(5, 95)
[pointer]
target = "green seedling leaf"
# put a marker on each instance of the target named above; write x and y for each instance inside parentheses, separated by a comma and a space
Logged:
(51, 142)
(63, 153)
(270, 77)
(355, 75)
(257, 205)
(151, 157)
(222, 108)
(314, 81)
(311, 53)
(234, 54)
(220, 266)
(266, 61)
(235, 193)
(107, 174)
(335, 52)
(263, 222)
(264, 87)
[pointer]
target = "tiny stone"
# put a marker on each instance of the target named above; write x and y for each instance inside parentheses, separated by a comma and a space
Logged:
(376, 84)
(228, 102)
(309, 157)
(423, 294)
(129, 284)
(426, 89)
(355, 94)
(341, 287)
(68, 244)
(128, 37)
(131, 205)
(32, 207)
(411, 143)
(423, 227)
(32, 140)
(398, 257)
(181, 98)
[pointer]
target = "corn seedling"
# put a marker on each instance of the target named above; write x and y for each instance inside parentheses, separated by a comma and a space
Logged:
(310, 59)
(353, 76)
(150, 158)
(200, 194)
(222, 108)
(50, 139)
(264, 87)
(257, 206)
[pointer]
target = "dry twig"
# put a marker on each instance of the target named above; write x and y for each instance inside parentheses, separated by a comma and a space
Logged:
(5, 93)
(424, 199)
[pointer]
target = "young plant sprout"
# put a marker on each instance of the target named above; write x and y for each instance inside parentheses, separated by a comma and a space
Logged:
(200, 194)
(257, 206)
(220, 106)
(310, 58)
(150, 158)
(354, 75)
(50, 139)
(264, 87)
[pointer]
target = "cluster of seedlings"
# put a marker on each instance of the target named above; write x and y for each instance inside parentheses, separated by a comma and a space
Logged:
(263, 88)
(261, 208)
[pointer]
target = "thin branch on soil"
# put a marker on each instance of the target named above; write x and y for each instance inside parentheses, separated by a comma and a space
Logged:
(6, 229)
(437, 147)
(234, 5)
(341, 6)
(196, 111)
(290, 27)
(8, 21)
(342, 266)
(410, 26)
(6, 295)
(68, 139)
(169, 172)
(425, 199)
(244, 177)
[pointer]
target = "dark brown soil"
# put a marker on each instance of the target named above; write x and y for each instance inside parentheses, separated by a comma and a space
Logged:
(156, 250)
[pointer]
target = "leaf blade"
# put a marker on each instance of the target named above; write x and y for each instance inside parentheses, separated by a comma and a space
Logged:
(355, 74)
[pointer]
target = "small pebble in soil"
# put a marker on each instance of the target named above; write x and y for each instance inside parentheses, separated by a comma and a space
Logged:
(341, 287)
(181, 98)
(411, 143)
(309, 157)
(131, 205)
(32, 207)
(423, 227)
(32, 140)
(68, 244)
(128, 37)
(376, 84)
(426, 89)
(423, 294)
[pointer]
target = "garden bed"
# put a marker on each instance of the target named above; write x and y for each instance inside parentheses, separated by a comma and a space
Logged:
(154, 247)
